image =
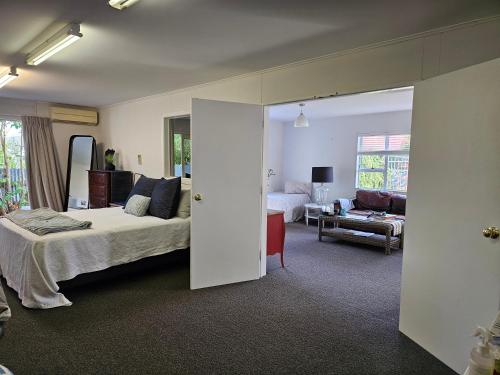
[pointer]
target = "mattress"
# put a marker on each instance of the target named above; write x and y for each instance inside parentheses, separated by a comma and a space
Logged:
(292, 204)
(32, 265)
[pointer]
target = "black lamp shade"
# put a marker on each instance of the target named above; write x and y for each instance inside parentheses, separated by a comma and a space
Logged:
(322, 174)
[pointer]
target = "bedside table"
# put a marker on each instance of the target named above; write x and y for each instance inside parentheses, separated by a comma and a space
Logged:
(276, 233)
(313, 211)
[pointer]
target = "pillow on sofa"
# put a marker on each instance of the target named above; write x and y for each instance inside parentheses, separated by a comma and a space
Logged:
(373, 200)
(137, 205)
(165, 198)
(398, 204)
(144, 186)
(184, 209)
(293, 187)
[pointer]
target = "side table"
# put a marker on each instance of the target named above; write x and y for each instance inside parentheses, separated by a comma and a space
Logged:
(312, 211)
(276, 233)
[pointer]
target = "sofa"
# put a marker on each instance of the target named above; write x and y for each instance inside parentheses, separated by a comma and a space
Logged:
(369, 201)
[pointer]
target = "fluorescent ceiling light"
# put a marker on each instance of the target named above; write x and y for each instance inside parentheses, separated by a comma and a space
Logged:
(121, 4)
(8, 76)
(62, 39)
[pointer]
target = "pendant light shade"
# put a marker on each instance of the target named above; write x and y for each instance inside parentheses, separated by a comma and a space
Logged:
(301, 120)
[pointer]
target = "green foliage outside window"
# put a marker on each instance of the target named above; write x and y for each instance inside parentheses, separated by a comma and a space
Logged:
(182, 153)
(177, 149)
(371, 180)
(371, 161)
(13, 190)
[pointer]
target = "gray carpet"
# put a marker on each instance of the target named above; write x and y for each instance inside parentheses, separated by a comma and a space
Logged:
(333, 310)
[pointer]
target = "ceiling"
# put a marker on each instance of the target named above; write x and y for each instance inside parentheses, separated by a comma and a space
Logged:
(161, 45)
(357, 104)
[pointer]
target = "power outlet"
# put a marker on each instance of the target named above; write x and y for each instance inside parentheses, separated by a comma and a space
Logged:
(139, 159)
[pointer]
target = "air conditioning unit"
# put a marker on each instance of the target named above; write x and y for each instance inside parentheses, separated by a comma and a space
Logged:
(74, 115)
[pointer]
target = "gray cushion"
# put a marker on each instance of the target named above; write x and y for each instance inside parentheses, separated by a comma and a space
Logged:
(137, 205)
(184, 210)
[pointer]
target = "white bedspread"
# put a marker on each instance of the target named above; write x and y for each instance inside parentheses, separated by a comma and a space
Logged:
(292, 204)
(32, 265)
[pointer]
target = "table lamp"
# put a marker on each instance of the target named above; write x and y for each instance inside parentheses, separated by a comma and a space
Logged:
(322, 175)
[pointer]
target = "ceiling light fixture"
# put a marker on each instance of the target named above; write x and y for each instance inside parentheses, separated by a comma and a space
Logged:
(8, 76)
(301, 120)
(60, 40)
(121, 4)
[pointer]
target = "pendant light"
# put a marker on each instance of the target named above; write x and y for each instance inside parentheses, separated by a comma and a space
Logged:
(301, 120)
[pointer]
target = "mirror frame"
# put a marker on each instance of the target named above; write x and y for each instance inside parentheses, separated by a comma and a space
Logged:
(93, 159)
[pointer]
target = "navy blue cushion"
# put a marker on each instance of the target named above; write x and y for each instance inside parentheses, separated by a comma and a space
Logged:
(165, 198)
(144, 186)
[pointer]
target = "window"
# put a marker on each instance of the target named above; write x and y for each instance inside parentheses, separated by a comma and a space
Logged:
(180, 143)
(382, 162)
(13, 187)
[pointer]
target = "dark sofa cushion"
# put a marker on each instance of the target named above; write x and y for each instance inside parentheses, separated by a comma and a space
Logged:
(144, 186)
(165, 198)
(373, 200)
(398, 204)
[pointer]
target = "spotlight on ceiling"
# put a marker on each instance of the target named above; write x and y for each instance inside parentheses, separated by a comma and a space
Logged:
(8, 76)
(121, 4)
(60, 40)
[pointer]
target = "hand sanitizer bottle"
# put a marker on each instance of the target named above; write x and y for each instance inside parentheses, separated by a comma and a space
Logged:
(481, 360)
(495, 341)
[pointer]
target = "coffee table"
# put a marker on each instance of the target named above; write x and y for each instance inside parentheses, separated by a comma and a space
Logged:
(361, 230)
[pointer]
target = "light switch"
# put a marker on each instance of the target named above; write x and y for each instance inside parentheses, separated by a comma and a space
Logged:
(139, 159)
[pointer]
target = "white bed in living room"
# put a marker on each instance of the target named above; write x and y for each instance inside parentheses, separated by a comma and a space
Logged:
(292, 204)
(291, 200)
(33, 264)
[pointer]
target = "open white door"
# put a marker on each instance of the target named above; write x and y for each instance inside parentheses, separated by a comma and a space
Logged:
(227, 174)
(451, 272)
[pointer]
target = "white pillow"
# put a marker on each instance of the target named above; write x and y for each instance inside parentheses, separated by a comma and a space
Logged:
(295, 187)
(137, 205)
(184, 209)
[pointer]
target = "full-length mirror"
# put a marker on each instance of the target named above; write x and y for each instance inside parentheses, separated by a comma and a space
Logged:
(81, 158)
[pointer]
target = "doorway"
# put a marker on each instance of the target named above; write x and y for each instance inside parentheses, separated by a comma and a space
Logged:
(178, 154)
(363, 140)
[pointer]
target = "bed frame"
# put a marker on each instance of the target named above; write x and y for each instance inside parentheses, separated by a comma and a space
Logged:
(148, 264)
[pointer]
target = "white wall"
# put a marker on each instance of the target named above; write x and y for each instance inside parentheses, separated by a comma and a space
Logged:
(333, 142)
(274, 154)
(136, 127)
(15, 108)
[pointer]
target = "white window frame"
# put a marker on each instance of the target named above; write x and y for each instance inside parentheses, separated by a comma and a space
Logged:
(384, 153)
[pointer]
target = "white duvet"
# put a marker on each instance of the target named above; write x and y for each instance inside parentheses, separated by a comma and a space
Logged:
(32, 265)
(292, 204)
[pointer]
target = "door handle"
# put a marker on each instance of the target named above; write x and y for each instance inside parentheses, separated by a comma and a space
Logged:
(197, 197)
(491, 232)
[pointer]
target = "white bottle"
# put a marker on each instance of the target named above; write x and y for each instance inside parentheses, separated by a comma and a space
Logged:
(481, 360)
(495, 341)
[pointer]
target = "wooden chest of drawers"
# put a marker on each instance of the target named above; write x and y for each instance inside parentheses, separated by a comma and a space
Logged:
(109, 187)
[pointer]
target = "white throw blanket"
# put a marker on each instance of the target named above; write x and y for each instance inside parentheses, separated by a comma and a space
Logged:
(32, 265)
(346, 204)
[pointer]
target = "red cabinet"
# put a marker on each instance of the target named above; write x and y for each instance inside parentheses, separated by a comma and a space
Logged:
(276, 233)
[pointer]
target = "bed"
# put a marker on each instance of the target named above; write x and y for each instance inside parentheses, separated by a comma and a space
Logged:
(292, 204)
(33, 265)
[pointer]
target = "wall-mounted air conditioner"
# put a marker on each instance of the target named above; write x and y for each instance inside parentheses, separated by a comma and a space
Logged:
(74, 115)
